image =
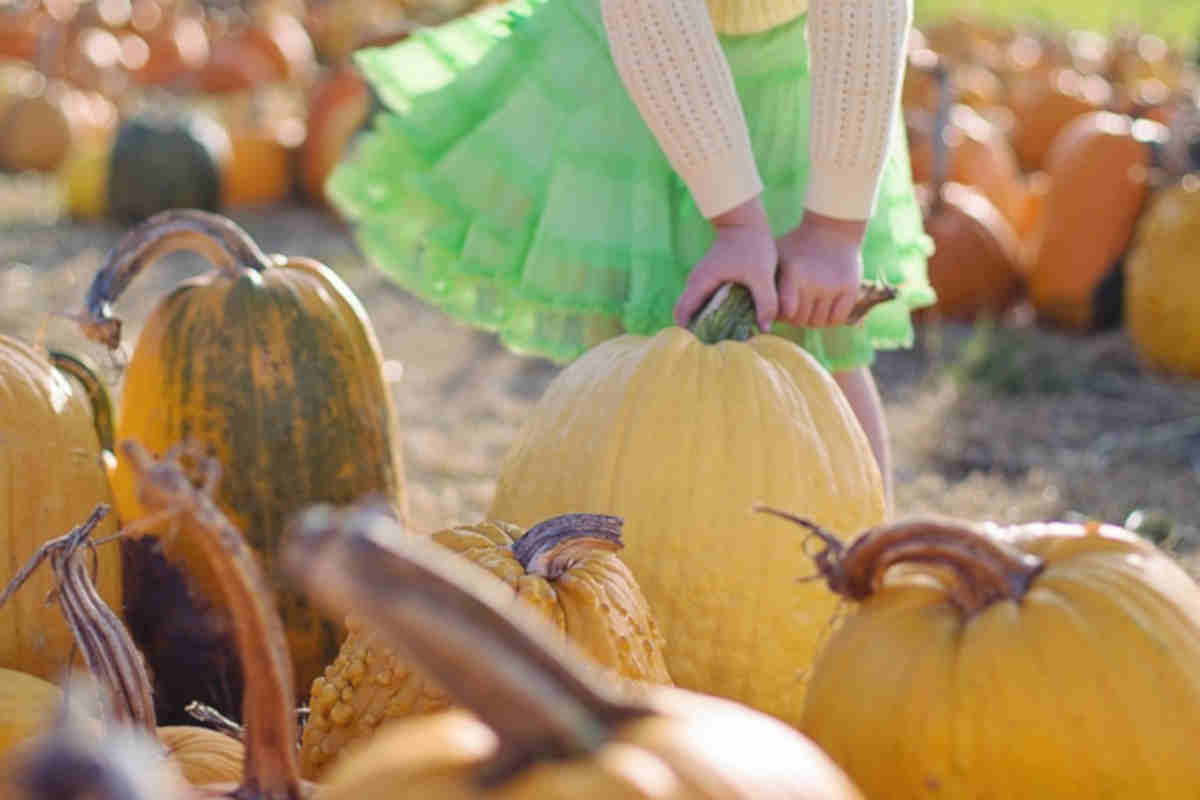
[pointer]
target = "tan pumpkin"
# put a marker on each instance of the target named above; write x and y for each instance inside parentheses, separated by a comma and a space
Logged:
(27, 705)
(679, 434)
(564, 568)
(543, 725)
(53, 437)
(270, 363)
(1045, 660)
(1162, 300)
(1099, 173)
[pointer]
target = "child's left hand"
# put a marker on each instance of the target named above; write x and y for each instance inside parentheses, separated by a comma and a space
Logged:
(820, 270)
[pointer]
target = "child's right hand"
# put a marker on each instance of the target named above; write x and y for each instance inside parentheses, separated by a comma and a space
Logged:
(742, 252)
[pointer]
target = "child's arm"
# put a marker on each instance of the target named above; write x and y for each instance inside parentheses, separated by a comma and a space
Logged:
(857, 53)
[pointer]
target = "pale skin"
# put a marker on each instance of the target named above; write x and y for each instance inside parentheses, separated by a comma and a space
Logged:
(809, 278)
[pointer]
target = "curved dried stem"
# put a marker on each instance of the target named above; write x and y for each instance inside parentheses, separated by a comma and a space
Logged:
(444, 614)
(983, 570)
(729, 314)
(550, 547)
(85, 373)
(165, 489)
(217, 238)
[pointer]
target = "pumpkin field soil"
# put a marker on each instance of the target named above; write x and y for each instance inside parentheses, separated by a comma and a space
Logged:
(1006, 422)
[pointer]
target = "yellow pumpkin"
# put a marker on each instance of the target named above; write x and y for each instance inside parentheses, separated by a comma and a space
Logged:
(270, 363)
(27, 704)
(565, 568)
(680, 438)
(1162, 301)
(52, 440)
(544, 723)
(1039, 661)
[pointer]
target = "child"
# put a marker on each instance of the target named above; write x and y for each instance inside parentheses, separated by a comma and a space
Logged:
(560, 171)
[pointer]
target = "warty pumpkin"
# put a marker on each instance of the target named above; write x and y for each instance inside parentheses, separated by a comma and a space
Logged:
(1044, 660)
(542, 723)
(679, 434)
(564, 568)
(53, 437)
(1162, 300)
(1099, 176)
(270, 364)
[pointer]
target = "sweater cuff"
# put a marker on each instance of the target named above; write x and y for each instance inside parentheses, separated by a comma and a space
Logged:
(719, 185)
(848, 194)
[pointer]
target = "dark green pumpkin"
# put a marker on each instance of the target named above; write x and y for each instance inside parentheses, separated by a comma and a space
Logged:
(269, 364)
(166, 159)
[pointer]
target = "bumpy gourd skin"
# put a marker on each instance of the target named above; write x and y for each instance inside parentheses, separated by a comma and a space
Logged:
(1162, 294)
(595, 603)
(681, 440)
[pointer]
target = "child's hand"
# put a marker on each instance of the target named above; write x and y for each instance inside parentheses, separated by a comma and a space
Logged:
(743, 252)
(820, 269)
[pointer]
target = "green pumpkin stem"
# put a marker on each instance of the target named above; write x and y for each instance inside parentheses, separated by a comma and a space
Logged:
(167, 491)
(218, 238)
(85, 373)
(729, 315)
(445, 614)
(548, 548)
(984, 570)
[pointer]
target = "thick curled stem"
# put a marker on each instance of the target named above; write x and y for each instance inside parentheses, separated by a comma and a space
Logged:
(983, 570)
(217, 238)
(166, 490)
(444, 614)
(550, 547)
(729, 314)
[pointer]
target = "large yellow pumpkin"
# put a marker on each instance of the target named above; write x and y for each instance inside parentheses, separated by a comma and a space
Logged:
(565, 568)
(543, 725)
(681, 438)
(1038, 661)
(51, 476)
(1162, 299)
(270, 364)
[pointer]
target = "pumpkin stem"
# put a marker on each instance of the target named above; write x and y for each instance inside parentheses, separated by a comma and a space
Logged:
(550, 548)
(111, 656)
(218, 238)
(271, 769)
(505, 666)
(984, 569)
(729, 313)
(102, 413)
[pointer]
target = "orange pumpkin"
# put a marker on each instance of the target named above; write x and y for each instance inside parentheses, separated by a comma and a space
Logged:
(1099, 174)
(338, 107)
(1044, 109)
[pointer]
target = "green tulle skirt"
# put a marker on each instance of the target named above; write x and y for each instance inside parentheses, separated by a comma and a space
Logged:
(511, 182)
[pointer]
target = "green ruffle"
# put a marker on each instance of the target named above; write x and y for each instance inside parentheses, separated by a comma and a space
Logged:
(512, 183)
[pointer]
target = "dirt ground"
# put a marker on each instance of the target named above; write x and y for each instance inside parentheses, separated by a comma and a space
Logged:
(1009, 422)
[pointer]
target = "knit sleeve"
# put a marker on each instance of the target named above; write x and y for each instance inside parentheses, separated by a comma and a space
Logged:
(668, 56)
(857, 59)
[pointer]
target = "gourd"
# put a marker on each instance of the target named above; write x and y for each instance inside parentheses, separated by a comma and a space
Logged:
(541, 723)
(1099, 173)
(679, 434)
(565, 568)
(201, 754)
(1162, 303)
(53, 437)
(166, 159)
(1042, 660)
(128, 757)
(269, 363)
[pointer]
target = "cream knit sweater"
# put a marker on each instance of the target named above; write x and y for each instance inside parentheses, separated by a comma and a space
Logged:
(671, 62)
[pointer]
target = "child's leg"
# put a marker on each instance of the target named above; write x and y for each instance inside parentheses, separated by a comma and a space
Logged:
(859, 387)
